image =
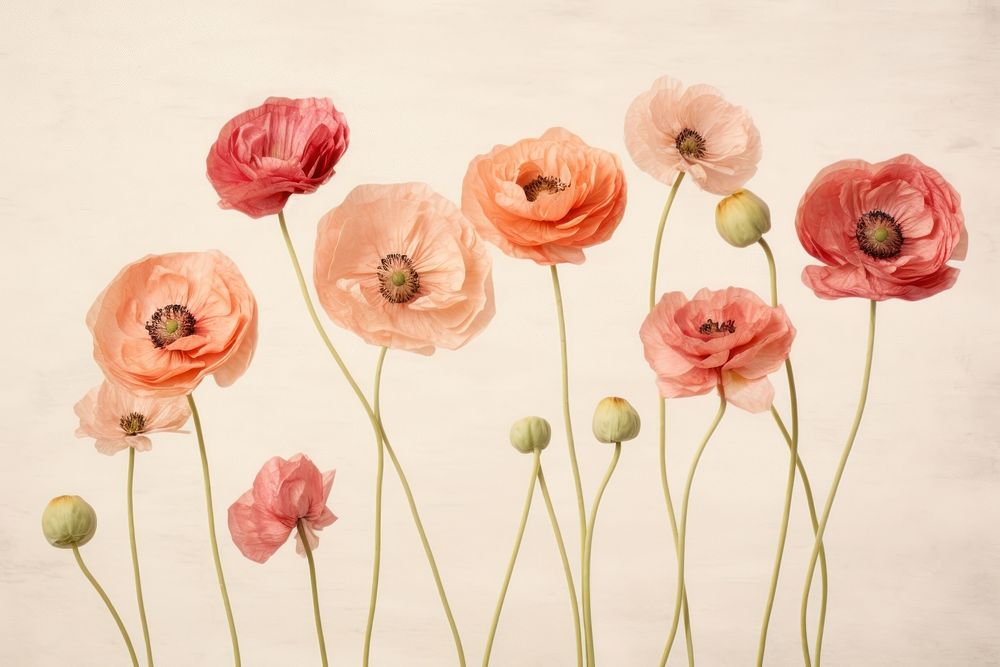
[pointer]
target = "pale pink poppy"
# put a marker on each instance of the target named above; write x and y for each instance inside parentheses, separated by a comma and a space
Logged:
(671, 129)
(400, 266)
(268, 153)
(545, 199)
(167, 321)
(283, 494)
(118, 419)
(728, 340)
(883, 231)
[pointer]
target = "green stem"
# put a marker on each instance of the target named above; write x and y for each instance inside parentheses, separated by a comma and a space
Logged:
(304, 539)
(379, 433)
(825, 517)
(792, 460)
(662, 430)
(581, 511)
(107, 601)
(377, 557)
(513, 556)
(565, 563)
(588, 621)
(211, 530)
(683, 526)
(135, 558)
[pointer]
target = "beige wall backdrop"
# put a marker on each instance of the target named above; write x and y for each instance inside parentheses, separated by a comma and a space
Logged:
(108, 111)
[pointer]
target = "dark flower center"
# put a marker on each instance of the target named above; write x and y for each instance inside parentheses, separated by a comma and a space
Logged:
(170, 323)
(398, 281)
(879, 235)
(543, 184)
(712, 327)
(690, 144)
(133, 423)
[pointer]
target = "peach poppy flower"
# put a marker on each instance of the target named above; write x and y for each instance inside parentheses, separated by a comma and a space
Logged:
(671, 129)
(167, 321)
(883, 231)
(545, 199)
(727, 339)
(283, 493)
(118, 419)
(401, 267)
(268, 153)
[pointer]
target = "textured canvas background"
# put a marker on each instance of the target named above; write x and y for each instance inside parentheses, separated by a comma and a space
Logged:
(108, 110)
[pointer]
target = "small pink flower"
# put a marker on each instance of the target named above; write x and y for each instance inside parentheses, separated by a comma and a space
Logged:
(283, 493)
(883, 231)
(281, 148)
(727, 339)
(400, 266)
(167, 321)
(671, 129)
(117, 419)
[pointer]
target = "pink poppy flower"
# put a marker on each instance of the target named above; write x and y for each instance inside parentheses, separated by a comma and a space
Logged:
(283, 493)
(401, 267)
(883, 231)
(545, 199)
(167, 321)
(671, 129)
(118, 419)
(283, 147)
(727, 339)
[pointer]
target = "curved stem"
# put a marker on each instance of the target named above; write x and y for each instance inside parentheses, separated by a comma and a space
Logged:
(683, 526)
(588, 621)
(565, 563)
(581, 511)
(793, 458)
(811, 504)
(304, 539)
(135, 558)
(377, 557)
(379, 433)
(211, 530)
(659, 239)
(825, 517)
(107, 601)
(513, 557)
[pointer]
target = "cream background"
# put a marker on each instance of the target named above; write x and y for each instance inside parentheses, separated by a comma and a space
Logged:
(108, 111)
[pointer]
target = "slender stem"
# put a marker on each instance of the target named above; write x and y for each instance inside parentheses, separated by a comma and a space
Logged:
(581, 511)
(825, 517)
(211, 531)
(107, 601)
(379, 434)
(792, 460)
(811, 504)
(304, 538)
(379, 470)
(588, 621)
(683, 526)
(565, 563)
(662, 430)
(135, 558)
(513, 556)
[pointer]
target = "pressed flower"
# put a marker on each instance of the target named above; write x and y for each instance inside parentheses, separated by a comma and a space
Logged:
(284, 493)
(118, 419)
(400, 266)
(883, 231)
(671, 129)
(268, 153)
(545, 199)
(167, 321)
(727, 339)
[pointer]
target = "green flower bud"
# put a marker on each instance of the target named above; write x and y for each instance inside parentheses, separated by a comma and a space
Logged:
(68, 521)
(529, 434)
(742, 218)
(615, 420)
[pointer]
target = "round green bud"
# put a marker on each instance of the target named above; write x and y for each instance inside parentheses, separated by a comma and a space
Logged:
(615, 420)
(742, 218)
(68, 521)
(529, 434)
